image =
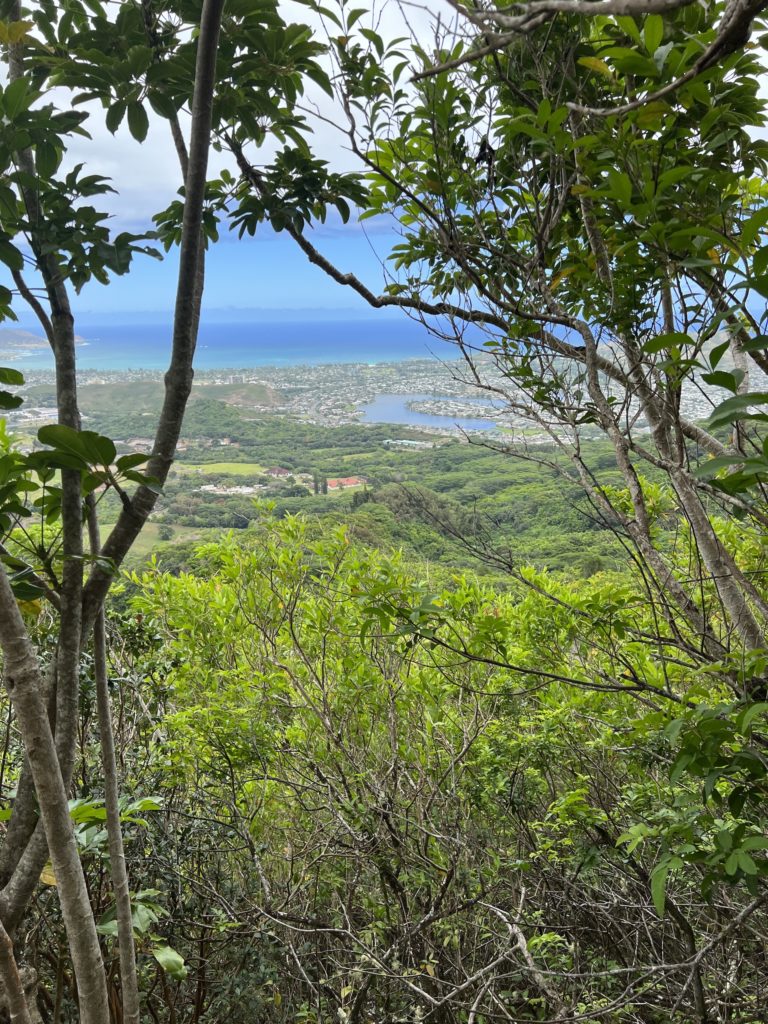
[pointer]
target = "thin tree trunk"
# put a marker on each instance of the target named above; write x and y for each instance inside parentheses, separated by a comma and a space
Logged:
(24, 683)
(178, 379)
(51, 762)
(117, 866)
(15, 998)
(59, 329)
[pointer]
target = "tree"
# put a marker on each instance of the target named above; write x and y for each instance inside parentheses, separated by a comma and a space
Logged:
(493, 29)
(392, 802)
(600, 255)
(126, 59)
(583, 212)
(38, 208)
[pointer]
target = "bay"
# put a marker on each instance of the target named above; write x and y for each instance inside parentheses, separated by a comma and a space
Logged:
(396, 409)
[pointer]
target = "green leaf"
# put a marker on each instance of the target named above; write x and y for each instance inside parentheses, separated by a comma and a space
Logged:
(115, 116)
(653, 32)
(10, 255)
(659, 887)
(138, 122)
(129, 461)
(620, 187)
(708, 469)
(649, 115)
(753, 224)
(756, 344)
(717, 353)
(596, 64)
(47, 159)
(162, 104)
(722, 379)
(171, 962)
(746, 863)
(665, 341)
(659, 882)
(139, 59)
(355, 15)
(755, 843)
(17, 98)
(9, 401)
(84, 445)
(146, 803)
(760, 284)
(736, 408)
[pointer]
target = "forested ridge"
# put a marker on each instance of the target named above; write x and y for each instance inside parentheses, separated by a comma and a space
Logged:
(408, 759)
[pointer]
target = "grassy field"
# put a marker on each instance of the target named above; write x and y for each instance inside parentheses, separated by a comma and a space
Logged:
(149, 541)
(245, 396)
(232, 468)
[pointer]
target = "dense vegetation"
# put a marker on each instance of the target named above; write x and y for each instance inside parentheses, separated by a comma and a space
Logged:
(312, 780)
(459, 504)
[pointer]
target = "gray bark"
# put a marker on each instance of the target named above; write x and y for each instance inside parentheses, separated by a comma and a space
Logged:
(17, 986)
(117, 866)
(178, 379)
(24, 684)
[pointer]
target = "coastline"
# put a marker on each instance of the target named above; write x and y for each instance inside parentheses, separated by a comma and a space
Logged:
(134, 347)
(423, 393)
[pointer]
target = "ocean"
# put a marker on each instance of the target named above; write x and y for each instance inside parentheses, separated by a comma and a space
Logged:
(116, 346)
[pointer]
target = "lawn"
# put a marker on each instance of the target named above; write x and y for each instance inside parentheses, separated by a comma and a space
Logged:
(149, 541)
(232, 468)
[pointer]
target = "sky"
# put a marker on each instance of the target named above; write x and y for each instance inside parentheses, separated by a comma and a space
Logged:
(266, 272)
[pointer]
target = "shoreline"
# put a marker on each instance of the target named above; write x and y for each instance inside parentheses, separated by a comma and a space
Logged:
(153, 373)
(335, 394)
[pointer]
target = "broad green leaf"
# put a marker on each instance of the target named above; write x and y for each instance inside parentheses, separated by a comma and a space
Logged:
(756, 344)
(665, 341)
(746, 719)
(653, 32)
(9, 401)
(17, 97)
(737, 408)
(755, 843)
(47, 158)
(708, 469)
(10, 255)
(659, 882)
(138, 122)
(139, 59)
(115, 116)
(596, 64)
(650, 114)
(659, 888)
(171, 962)
(753, 225)
(723, 379)
(126, 462)
(85, 445)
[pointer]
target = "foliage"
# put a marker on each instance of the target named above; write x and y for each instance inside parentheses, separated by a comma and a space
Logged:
(410, 774)
(384, 799)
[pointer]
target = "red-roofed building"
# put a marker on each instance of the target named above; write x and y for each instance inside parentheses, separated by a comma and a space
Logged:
(346, 481)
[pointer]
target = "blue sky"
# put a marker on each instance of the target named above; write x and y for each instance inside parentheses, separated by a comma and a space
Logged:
(267, 271)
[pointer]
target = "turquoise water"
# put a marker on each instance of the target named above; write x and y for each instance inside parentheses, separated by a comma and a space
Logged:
(137, 346)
